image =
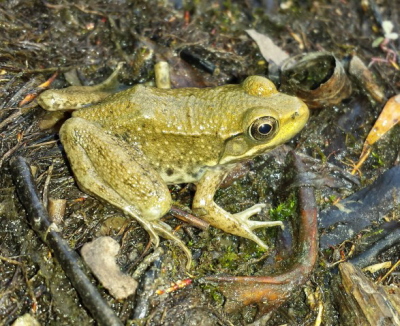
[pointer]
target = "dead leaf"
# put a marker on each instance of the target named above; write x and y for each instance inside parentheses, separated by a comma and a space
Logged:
(389, 117)
(268, 49)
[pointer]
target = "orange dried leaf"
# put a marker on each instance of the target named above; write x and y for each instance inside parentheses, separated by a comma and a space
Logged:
(27, 99)
(30, 97)
(389, 117)
(20, 135)
(48, 82)
(79, 200)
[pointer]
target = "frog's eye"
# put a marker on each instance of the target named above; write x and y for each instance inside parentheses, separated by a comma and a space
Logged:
(263, 128)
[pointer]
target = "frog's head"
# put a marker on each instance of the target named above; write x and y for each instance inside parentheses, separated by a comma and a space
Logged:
(279, 118)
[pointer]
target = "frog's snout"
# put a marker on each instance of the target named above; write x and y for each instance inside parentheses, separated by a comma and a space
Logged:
(45, 100)
(303, 112)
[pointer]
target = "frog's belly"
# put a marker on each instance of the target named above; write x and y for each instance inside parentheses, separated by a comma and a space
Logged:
(181, 174)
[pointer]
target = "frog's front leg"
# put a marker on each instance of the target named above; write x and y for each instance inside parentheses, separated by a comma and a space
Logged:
(237, 224)
(119, 174)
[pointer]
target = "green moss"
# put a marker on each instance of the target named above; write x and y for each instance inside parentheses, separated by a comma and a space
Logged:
(333, 198)
(284, 210)
(229, 260)
(379, 162)
(213, 292)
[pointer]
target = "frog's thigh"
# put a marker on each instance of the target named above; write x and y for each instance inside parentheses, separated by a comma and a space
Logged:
(117, 173)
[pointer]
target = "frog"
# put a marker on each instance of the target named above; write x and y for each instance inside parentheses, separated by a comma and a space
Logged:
(126, 148)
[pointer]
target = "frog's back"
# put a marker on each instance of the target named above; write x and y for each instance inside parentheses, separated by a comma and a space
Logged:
(180, 131)
(187, 105)
(188, 111)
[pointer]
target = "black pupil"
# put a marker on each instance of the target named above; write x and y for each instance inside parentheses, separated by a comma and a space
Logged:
(264, 129)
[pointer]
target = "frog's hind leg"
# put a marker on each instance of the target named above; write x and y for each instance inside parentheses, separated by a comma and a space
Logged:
(116, 173)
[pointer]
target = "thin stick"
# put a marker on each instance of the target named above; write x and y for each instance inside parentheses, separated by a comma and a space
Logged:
(66, 256)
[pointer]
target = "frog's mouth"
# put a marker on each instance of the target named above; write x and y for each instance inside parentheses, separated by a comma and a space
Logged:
(240, 147)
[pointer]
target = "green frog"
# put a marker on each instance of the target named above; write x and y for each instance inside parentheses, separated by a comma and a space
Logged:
(129, 146)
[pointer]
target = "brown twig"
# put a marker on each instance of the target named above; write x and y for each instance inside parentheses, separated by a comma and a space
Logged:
(67, 257)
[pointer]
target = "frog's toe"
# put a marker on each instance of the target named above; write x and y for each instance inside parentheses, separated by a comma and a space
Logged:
(252, 225)
(147, 225)
(246, 214)
(164, 230)
(156, 228)
(260, 242)
(247, 233)
(154, 238)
